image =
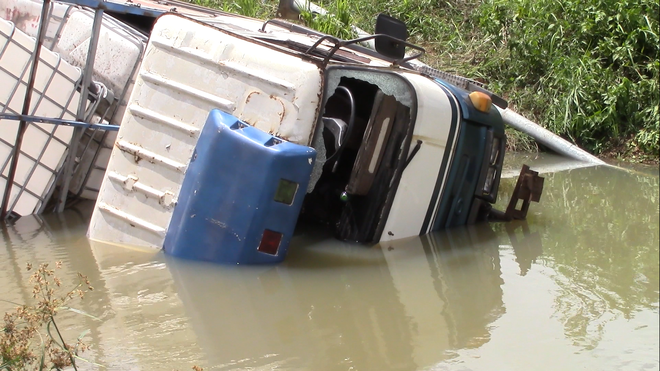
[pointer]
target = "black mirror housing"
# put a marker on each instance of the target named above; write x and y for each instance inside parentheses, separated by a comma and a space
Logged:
(395, 28)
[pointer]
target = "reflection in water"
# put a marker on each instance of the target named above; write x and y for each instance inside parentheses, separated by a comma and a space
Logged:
(148, 330)
(130, 296)
(449, 283)
(573, 287)
(599, 231)
(47, 239)
(526, 245)
(365, 309)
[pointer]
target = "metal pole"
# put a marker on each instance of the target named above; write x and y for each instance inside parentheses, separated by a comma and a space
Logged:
(547, 138)
(43, 22)
(80, 116)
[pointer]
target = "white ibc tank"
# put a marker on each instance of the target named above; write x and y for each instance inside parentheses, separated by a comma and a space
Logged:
(54, 95)
(68, 33)
(118, 55)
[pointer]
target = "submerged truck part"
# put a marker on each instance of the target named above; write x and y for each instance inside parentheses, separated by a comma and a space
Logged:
(189, 69)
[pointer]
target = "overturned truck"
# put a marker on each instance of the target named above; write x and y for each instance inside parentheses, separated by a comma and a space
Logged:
(236, 128)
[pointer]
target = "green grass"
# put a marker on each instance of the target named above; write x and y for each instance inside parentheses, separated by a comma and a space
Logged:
(250, 8)
(336, 22)
(586, 70)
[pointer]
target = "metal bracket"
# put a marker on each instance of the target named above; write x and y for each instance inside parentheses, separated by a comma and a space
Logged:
(338, 43)
(528, 188)
(55, 121)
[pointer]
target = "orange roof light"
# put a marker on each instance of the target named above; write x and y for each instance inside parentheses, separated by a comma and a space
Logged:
(481, 101)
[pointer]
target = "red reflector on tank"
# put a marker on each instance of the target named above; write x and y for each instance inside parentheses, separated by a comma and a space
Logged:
(270, 242)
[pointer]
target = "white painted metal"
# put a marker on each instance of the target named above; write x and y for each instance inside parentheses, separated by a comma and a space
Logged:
(418, 180)
(54, 95)
(190, 68)
(548, 138)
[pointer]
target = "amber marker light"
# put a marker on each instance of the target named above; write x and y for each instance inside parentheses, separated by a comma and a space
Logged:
(481, 101)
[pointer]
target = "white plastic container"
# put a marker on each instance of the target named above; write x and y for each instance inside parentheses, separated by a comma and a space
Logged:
(44, 146)
(190, 68)
(118, 55)
(68, 33)
(26, 14)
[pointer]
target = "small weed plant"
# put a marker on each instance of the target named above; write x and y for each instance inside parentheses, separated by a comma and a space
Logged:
(30, 338)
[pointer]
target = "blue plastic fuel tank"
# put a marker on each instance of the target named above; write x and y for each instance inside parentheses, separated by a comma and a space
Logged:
(241, 196)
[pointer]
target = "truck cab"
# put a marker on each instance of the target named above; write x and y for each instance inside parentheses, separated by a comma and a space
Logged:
(413, 155)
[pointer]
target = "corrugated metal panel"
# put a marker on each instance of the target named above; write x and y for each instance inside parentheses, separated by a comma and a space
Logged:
(190, 68)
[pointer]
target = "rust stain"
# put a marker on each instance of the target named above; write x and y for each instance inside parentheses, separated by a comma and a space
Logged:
(22, 20)
(254, 121)
(282, 113)
(249, 122)
(247, 100)
(318, 105)
(136, 155)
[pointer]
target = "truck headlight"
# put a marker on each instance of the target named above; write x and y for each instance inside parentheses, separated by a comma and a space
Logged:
(494, 151)
(490, 178)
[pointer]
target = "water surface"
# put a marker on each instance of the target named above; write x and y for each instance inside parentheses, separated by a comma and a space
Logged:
(574, 287)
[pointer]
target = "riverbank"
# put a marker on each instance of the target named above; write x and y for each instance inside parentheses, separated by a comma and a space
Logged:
(587, 71)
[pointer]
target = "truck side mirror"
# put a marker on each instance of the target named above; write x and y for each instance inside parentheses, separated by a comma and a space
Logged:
(395, 28)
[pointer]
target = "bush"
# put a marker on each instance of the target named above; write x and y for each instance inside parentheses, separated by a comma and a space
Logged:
(586, 70)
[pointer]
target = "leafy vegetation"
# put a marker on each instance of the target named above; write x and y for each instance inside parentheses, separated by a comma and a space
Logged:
(249, 8)
(30, 338)
(337, 22)
(587, 70)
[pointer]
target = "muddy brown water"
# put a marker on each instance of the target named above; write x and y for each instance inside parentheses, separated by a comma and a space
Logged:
(574, 287)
